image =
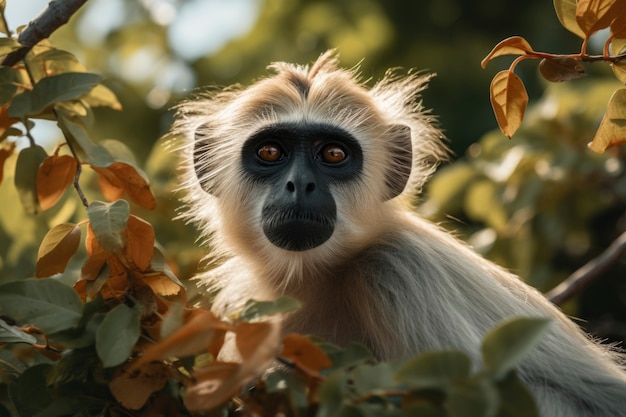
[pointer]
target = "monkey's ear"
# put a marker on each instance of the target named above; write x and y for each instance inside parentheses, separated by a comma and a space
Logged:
(202, 160)
(399, 169)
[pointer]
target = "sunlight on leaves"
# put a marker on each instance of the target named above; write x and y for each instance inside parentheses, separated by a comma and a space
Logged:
(55, 174)
(593, 15)
(612, 130)
(56, 249)
(566, 12)
(515, 45)
(509, 100)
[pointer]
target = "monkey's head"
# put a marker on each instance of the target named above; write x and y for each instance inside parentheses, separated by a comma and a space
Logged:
(308, 159)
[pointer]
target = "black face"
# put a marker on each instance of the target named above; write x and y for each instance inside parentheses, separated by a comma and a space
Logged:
(298, 163)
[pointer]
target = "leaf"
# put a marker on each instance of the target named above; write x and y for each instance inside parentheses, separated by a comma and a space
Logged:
(56, 249)
(258, 309)
(108, 222)
(119, 177)
(304, 353)
(27, 165)
(55, 174)
(515, 45)
(117, 334)
(509, 100)
(5, 152)
(472, 398)
(139, 242)
(593, 15)
(434, 369)
(619, 69)
(258, 341)
(566, 12)
(61, 87)
(47, 304)
(560, 69)
(370, 378)
(215, 384)
(13, 334)
(159, 264)
(506, 345)
(101, 96)
(132, 389)
(8, 45)
(198, 332)
(612, 130)
(515, 399)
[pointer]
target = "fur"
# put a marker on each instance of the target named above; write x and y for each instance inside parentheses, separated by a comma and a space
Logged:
(386, 277)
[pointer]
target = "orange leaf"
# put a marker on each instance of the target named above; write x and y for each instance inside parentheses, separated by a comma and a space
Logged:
(560, 69)
(5, 121)
(132, 389)
(139, 242)
(135, 185)
(58, 246)
(509, 100)
(5, 153)
(612, 130)
(305, 354)
(55, 174)
(214, 385)
(593, 15)
(515, 45)
(110, 185)
(566, 12)
(201, 328)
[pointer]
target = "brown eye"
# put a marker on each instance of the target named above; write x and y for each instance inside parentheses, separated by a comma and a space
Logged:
(270, 152)
(333, 154)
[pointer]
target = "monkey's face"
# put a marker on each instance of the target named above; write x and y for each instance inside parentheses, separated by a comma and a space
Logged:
(297, 165)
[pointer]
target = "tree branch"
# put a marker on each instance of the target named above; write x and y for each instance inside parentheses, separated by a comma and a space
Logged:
(54, 16)
(588, 272)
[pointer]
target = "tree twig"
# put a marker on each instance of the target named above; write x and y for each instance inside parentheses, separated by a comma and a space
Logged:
(588, 272)
(54, 16)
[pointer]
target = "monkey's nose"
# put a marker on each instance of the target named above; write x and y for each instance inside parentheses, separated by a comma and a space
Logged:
(293, 188)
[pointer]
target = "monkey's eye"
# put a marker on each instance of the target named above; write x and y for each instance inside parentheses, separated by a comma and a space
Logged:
(333, 154)
(270, 152)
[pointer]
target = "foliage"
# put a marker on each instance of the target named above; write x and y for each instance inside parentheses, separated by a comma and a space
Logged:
(119, 336)
(583, 18)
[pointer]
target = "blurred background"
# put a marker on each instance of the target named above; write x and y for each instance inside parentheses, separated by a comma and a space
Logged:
(540, 204)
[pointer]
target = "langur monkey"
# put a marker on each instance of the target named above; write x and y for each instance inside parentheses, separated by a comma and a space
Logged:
(302, 183)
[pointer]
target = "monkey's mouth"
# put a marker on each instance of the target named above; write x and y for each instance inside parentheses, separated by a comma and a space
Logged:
(298, 230)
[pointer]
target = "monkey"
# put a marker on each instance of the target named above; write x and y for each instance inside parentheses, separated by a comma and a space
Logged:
(304, 184)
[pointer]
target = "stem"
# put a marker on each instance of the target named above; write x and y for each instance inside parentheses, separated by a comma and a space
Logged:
(588, 272)
(79, 171)
(54, 16)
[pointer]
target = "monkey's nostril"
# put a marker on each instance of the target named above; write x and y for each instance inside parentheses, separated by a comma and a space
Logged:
(291, 187)
(310, 187)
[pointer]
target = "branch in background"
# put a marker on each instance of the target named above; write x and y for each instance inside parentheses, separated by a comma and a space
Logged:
(588, 272)
(54, 16)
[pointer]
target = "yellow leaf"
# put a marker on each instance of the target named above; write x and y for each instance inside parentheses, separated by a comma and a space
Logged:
(6, 150)
(162, 285)
(619, 69)
(101, 96)
(132, 389)
(58, 246)
(54, 175)
(509, 100)
(305, 354)
(515, 45)
(566, 12)
(612, 130)
(593, 15)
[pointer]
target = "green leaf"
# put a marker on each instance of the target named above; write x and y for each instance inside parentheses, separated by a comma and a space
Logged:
(108, 221)
(159, 264)
(473, 398)
(62, 87)
(87, 149)
(506, 345)
(32, 387)
(515, 399)
(423, 410)
(258, 309)
(350, 355)
(8, 84)
(13, 334)
(371, 378)
(47, 304)
(26, 167)
(84, 333)
(117, 335)
(332, 393)
(434, 369)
